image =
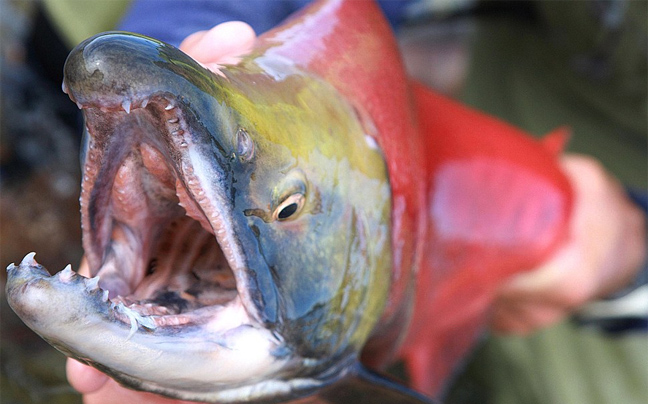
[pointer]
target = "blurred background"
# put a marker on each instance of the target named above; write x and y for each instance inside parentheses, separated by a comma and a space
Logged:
(39, 190)
(538, 65)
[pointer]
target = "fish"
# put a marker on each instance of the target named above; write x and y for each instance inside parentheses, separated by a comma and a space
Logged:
(284, 228)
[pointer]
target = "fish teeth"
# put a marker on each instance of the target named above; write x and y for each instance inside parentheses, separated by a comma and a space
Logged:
(104, 296)
(92, 284)
(29, 260)
(144, 103)
(126, 105)
(67, 274)
(169, 107)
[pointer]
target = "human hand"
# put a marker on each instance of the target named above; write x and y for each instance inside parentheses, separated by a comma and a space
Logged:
(223, 44)
(605, 250)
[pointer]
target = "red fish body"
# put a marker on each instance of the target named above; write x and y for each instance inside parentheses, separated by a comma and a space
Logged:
(474, 200)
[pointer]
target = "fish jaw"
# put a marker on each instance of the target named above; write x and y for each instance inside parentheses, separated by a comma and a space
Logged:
(139, 351)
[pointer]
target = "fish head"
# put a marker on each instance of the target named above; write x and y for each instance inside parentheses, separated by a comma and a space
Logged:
(236, 226)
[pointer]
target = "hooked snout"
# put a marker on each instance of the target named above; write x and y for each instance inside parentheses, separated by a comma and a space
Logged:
(111, 67)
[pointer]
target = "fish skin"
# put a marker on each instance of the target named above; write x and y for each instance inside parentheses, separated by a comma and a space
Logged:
(443, 277)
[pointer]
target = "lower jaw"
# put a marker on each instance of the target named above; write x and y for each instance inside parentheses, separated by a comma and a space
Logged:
(219, 348)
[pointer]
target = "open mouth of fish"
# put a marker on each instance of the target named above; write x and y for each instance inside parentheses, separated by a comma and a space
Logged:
(168, 286)
(160, 245)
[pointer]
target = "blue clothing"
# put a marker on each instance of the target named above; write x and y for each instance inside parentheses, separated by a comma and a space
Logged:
(172, 21)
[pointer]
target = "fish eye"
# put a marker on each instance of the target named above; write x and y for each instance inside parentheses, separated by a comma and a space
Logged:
(289, 207)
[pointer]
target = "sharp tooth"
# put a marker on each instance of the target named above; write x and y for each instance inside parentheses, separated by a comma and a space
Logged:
(64, 87)
(29, 260)
(104, 297)
(169, 107)
(67, 274)
(173, 120)
(92, 284)
(79, 105)
(126, 105)
(144, 103)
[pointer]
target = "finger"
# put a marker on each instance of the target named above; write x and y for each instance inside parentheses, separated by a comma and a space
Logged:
(190, 42)
(113, 393)
(98, 388)
(564, 280)
(221, 44)
(83, 378)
